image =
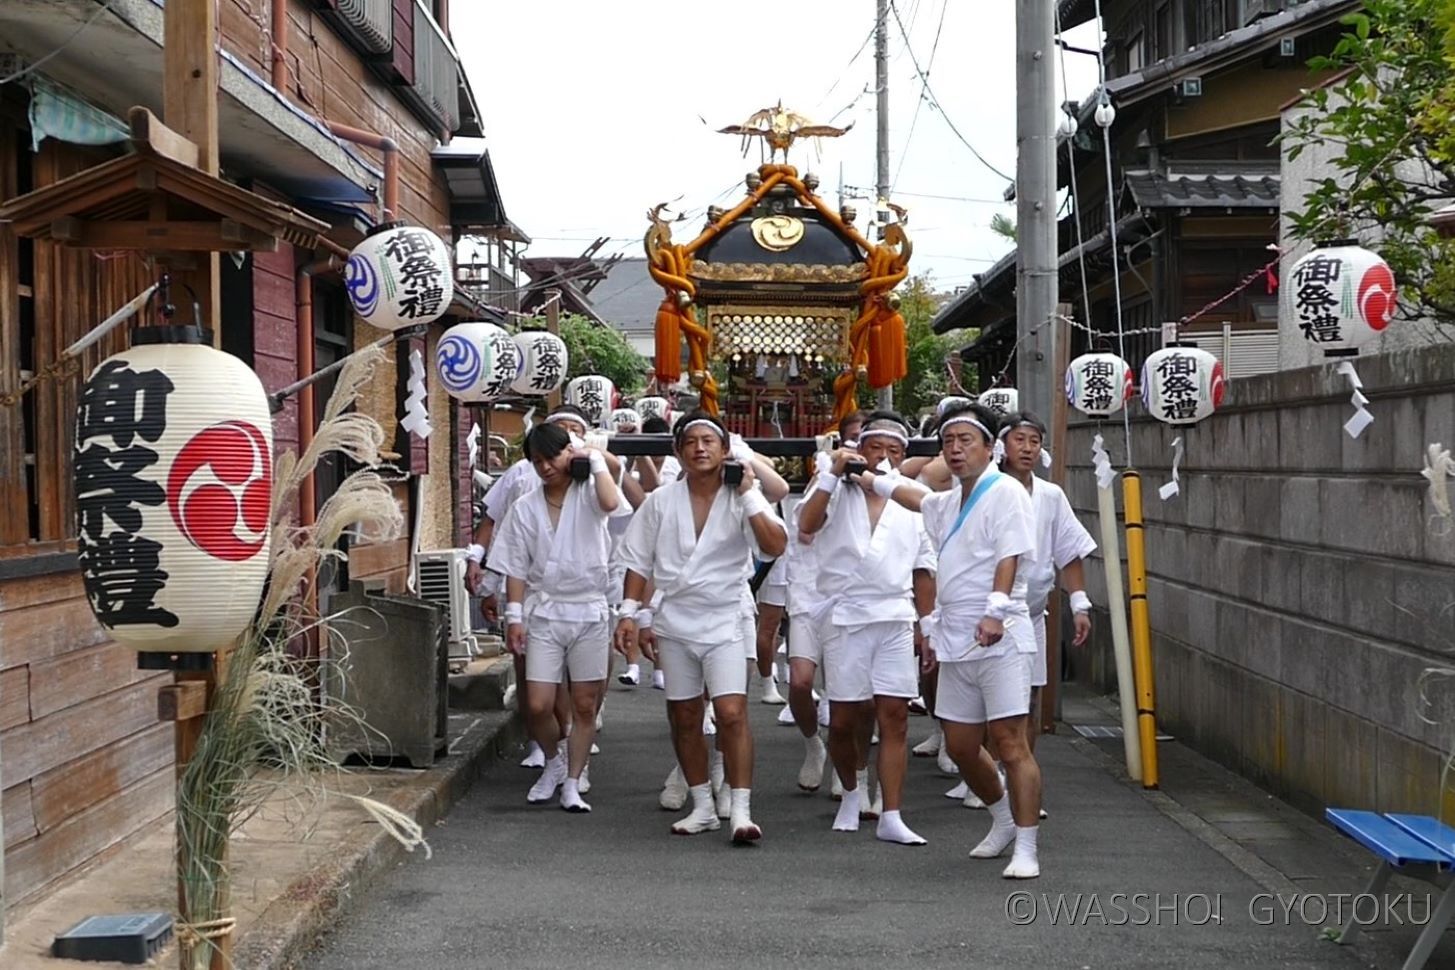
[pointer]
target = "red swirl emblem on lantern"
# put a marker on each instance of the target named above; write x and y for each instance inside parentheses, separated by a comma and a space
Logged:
(1377, 296)
(220, 488)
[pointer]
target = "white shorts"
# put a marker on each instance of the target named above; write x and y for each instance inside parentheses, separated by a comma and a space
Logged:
(804, 642)
(690, 667)
(773, 594)
(1039, 673)
(977, 691)
(861, 662)
(555, 647)
(748, 635)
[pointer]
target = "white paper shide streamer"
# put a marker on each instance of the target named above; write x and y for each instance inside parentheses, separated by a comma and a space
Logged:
(416, 405)
(1101, 463)
(472, 441)
(1172, 488)
(1439, 467)
(1362, 419)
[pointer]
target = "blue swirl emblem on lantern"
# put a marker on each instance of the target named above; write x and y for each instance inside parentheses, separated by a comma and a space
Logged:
(458, 362)
(363, 285)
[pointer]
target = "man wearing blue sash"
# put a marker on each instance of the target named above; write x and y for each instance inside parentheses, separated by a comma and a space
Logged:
(981, 632)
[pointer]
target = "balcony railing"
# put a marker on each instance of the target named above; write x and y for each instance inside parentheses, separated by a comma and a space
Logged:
(371, 22)
(436, 71)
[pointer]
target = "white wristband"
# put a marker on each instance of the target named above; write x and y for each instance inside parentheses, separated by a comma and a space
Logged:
(598, 463)
(475, 552)
(927, 624)
(754, 502)
(997, 604)
(826, 482)
(644, 619)
(628, 608)
(884, 485)
(1080, 602)
(514, 613)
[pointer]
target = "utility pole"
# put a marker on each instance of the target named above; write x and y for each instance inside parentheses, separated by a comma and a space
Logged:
(881, 181)
(1036, 279)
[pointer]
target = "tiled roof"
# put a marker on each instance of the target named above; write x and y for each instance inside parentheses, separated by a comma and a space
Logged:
(1155, 190)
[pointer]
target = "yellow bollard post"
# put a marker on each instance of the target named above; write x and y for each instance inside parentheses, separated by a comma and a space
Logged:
(1141, 625)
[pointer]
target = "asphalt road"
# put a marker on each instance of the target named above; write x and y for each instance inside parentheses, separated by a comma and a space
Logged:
(519, 886)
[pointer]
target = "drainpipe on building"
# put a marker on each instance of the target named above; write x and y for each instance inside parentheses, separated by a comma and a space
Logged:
(390, 148)
(280, 46)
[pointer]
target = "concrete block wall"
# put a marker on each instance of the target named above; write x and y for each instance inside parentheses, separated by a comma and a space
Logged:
(1301, 589)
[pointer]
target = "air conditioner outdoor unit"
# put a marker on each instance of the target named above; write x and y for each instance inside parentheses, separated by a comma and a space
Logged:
(439, 578)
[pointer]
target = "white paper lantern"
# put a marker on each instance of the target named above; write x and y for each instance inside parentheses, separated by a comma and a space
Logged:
(1182, 384)
(946, 403)
(173, 477)
(654, 407)
(1342, 297)
(1001, 400)
(543, 362)
(476, 361)
(400, 276)
(1098, 384)
(594, 395)
(625, 417)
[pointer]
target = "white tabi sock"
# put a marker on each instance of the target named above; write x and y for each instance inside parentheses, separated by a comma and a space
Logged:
(958, 792)
(869, 807)
(571, 799)
(847, 820)
(810, 776)
(892, 829)
(1001, 834)
(702, 817)
(744, 830)
(1025, 863)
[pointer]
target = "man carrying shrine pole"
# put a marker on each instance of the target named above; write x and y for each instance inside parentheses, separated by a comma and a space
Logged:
(694, 538)
(980, 632)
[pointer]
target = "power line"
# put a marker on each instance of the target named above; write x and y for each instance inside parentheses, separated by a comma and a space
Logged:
(952, 198)
(920, 101)
(31, 67)
(935, 102)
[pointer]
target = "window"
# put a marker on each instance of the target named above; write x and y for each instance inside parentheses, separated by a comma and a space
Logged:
(1163, 33)
(1136, 53)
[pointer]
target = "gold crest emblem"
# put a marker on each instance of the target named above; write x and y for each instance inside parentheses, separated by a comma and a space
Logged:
(778, 234)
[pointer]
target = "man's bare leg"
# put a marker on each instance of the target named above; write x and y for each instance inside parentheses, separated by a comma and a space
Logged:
(735, 739)
(584, 698)
(545, 730)
(893, 717)
(534, 756)
(849, 750)
(801, 673)
(1023, 774)
(690, 744)
(770, 619)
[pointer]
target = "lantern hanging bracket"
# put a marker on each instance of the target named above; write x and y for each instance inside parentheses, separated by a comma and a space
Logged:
(276, 399)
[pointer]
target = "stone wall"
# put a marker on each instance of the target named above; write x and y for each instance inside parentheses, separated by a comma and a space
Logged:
(1300, 587)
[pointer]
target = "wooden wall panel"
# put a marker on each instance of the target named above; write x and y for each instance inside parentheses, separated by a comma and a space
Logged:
(17, 815)
(32, 865)
(76, 677)
(75, 786)
(41, 632)
(14, 697)
(50, 742)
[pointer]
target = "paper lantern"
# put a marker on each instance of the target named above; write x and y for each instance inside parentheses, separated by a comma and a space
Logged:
(400, 276)
(1342, 296)
(1182, 384)
(476, 361)
(623, 417)
(543, 362)
(1098, 384)
(654, 407)
(173, 472)
(594, 395)
(1001, 400)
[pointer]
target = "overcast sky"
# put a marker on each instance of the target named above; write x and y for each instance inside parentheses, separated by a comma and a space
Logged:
(594, 112)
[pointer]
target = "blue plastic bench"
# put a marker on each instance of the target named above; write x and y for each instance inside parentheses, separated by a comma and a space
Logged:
(1413, 845)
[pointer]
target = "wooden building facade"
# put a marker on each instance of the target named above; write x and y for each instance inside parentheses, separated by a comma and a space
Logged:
(84, 764)
(1197, 88)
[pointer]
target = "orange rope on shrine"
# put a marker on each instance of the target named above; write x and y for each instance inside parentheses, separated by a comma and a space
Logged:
(877, 346)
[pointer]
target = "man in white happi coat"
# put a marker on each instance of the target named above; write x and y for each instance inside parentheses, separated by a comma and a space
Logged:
(552, 550)
(1062, 542)
(517, 480)
(981, 631)
(876, 575)
(695, 538)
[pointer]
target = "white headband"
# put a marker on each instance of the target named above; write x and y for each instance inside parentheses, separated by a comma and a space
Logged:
(1020, 424)
(696, 421)
(566, 416)
(965, 419)
(885, 433)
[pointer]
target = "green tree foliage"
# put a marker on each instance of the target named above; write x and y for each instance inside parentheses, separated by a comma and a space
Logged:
(594, 349)
(1003, 225)
(928, 379)
(1391, 125)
